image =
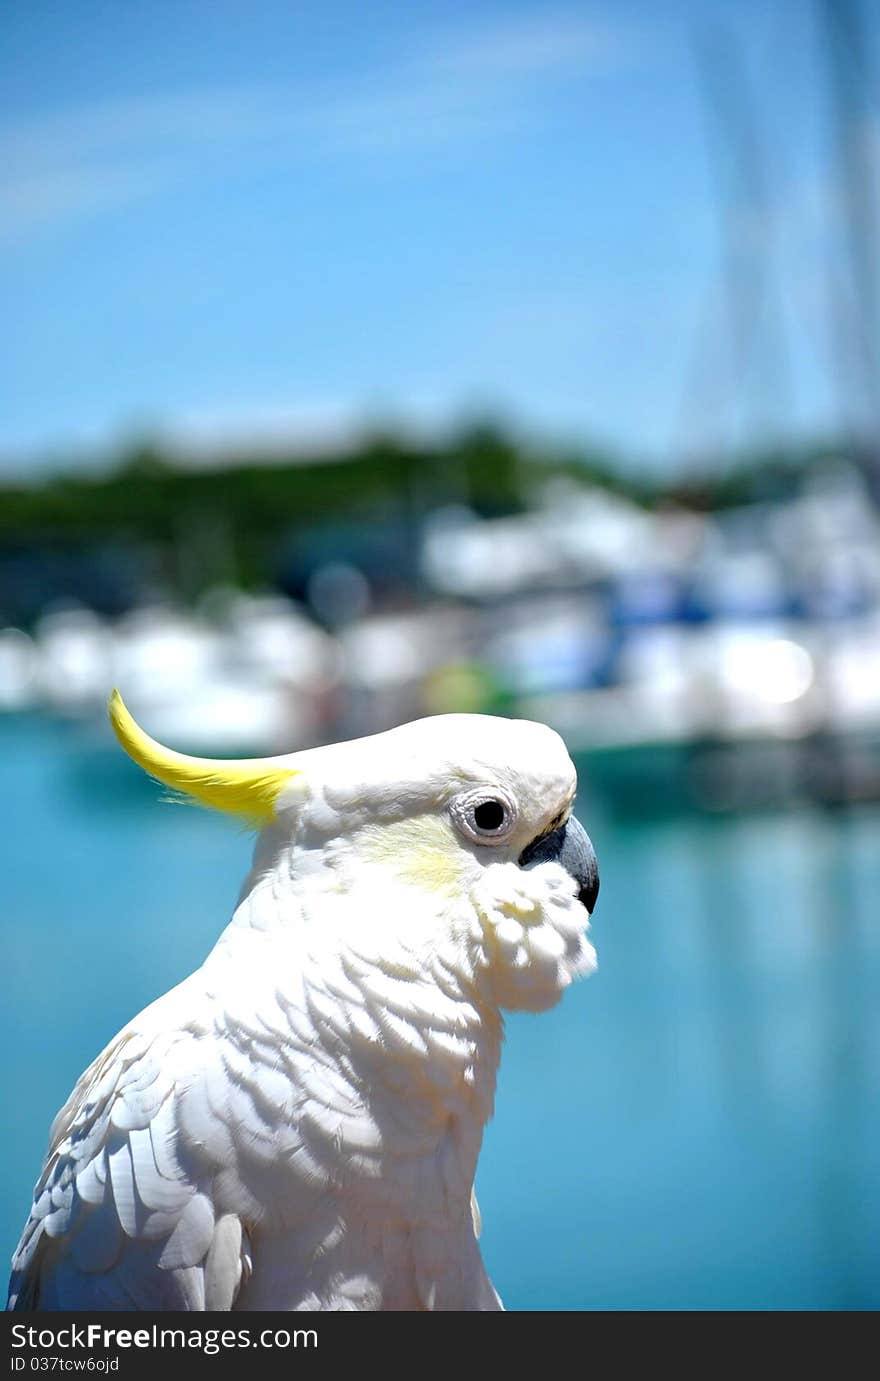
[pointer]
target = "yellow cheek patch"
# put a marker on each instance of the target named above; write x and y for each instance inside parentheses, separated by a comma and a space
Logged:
(248, 788)
(422, 851)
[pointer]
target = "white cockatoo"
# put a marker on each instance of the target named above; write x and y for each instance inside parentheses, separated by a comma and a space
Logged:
(296, 1126)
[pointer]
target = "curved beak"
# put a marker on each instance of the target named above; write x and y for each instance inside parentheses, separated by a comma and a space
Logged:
(569, 845)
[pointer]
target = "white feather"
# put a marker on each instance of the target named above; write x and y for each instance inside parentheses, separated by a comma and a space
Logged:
(297, 1125)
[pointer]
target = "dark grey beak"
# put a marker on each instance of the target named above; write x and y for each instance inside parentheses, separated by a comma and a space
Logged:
(569, 845)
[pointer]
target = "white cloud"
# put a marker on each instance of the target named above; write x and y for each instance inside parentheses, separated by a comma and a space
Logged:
(68, 193)
(312, 426)
(216, 432)
(462, 88)
(529, 45)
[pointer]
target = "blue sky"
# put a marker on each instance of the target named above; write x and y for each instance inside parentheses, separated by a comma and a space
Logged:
(223, 218)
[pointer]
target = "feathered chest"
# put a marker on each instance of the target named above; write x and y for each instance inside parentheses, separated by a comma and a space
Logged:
(334, 1072)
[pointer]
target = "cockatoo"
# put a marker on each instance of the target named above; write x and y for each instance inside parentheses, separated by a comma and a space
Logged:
(296, 1126)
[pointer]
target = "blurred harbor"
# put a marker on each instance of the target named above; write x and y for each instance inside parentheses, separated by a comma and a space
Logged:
(719, 659)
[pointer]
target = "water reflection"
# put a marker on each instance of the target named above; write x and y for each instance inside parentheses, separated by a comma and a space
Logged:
(698, 1126)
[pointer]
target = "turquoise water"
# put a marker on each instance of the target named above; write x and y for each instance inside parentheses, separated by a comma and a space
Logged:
(697, 1126)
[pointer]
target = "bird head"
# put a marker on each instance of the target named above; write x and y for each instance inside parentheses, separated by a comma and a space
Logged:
(451, 839)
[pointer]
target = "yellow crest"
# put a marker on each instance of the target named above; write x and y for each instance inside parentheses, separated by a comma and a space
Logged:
(249, 787)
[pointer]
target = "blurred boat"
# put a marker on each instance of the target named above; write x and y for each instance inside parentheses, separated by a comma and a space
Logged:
(733, 658)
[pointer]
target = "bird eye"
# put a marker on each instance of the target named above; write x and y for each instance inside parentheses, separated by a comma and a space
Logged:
(489, 816)
(486, 817)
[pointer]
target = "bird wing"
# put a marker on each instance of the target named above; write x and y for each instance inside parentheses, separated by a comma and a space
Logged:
(123, 1215)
